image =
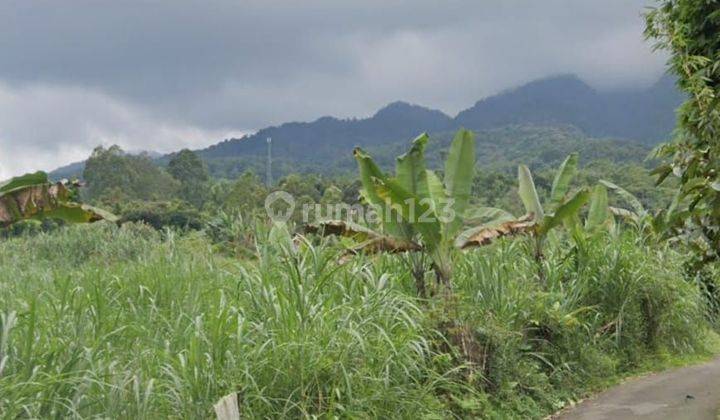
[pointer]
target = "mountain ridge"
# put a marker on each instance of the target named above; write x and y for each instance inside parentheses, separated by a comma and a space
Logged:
(645, 115)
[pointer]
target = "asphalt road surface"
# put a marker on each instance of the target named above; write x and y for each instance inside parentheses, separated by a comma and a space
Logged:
(679, 394)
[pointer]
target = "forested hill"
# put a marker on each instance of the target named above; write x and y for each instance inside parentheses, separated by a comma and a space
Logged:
(645, 115)
(641, 115)
(325, 137)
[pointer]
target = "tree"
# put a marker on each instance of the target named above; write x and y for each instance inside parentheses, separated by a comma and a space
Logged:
(186, 166)
(245, 195)
(188, 169)
(299, 185)
(690, 31)
(113, 175)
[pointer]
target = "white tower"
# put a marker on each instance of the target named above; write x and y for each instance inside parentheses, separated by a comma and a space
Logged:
(268, 174)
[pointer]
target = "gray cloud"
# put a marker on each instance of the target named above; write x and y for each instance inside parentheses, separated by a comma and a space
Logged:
(163, 74)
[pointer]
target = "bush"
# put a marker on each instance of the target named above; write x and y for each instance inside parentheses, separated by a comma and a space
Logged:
(602, 313)
(164, 214)
(30, 227)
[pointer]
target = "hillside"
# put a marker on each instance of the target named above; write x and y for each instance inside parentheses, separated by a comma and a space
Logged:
(324, 145)
(644, 116)
(327, 136)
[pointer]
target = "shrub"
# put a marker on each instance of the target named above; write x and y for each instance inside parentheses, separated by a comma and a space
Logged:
(164, 214)
(602, 313)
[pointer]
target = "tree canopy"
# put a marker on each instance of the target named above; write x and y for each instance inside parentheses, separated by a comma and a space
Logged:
(113, 175)
(690, 31)
(192, 174)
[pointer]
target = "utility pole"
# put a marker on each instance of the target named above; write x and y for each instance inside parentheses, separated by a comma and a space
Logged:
(268, 175)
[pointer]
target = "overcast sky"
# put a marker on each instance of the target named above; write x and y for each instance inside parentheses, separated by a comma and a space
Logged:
(166, 74)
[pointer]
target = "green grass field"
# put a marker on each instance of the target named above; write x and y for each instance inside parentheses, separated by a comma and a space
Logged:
(100, 321)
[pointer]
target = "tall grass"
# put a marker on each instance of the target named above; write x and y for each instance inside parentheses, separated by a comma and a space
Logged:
(609, 304)
(129, 323)
(99, 320)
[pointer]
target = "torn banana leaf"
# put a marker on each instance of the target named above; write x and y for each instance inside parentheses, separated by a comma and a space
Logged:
(32, 196)
(366, 240)
(486, 215)
(485, 234)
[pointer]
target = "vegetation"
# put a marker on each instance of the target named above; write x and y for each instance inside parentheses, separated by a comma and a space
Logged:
(194, 294)
(687, 30)
(682, 27)
(190, 171)
(114, 177)
(33, 196)
(641, 115)
(129, 322)
(417, 211)
(216, 300)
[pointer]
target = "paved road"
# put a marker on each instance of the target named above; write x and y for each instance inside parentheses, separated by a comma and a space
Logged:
(685, 393)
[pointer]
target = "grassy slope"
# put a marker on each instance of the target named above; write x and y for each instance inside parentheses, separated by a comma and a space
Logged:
(121, 322)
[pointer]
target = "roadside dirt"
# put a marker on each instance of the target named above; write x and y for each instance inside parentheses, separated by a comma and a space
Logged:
(685, 393)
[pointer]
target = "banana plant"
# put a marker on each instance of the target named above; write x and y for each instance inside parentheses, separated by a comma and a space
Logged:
(562, 206)
(636, 214)
(538, 221)
(598, 219)
(33, 196)
(600, 214)
(660, 222)
(418, 213)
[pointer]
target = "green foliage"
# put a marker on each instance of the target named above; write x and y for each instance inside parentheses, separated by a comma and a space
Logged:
(498, 150)
(298, 337)
(244, 195)
(186, 166)
(459, 170)
(416, 206)
(190, 171)
(232, 234)
(163, 214)
(599, 211)
(563, 207)
(30, 227)
(689, 30)
(113, 177)
(601, 313)
(32, 196)
(528, 194)
(332, 195)
(24, 181)
(565, 175)
(123, 322)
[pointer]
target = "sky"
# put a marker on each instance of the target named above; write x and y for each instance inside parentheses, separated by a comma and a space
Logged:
(166, 74)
